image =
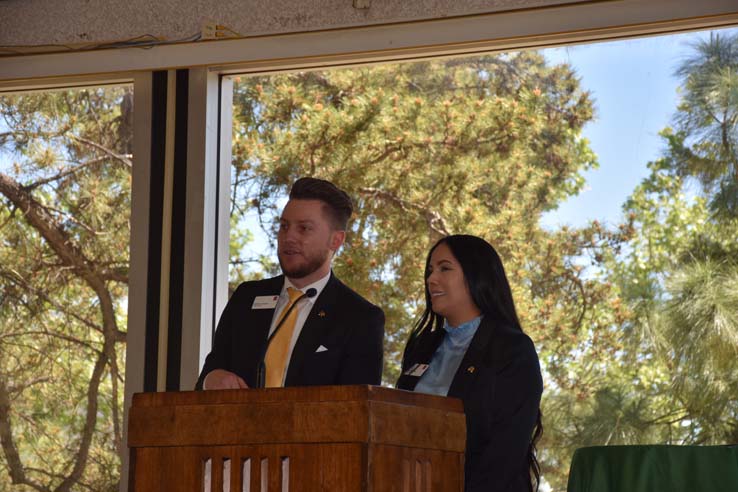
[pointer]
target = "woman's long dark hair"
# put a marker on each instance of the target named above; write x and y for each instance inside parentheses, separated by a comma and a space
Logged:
(490, 291)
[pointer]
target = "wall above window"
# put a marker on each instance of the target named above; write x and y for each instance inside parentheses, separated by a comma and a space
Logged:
(83, 22)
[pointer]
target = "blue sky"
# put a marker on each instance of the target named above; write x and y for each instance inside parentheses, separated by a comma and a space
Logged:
(636, 95)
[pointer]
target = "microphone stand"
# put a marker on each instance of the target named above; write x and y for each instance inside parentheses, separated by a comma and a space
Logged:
(261, 368)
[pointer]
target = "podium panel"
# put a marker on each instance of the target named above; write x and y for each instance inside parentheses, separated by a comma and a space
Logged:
(333, 438)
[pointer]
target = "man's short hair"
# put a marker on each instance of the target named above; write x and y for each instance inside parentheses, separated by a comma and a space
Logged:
(336, 202)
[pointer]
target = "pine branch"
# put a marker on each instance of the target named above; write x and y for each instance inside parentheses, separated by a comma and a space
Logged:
(64, 174)
(435, 220)
(10, 450)
(71, 255)
(125, 159)
(80, 459)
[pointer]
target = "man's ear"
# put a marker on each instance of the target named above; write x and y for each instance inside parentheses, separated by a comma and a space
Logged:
(337, 239)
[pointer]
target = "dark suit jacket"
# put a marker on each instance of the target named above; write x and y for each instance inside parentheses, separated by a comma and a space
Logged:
(341, 320)
(499, 381)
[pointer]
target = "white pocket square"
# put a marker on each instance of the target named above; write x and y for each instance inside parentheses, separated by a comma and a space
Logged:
(322, 348)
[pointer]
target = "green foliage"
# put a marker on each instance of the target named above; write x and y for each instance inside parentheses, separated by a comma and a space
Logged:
(678, 274)
(62, 301)
(706, 146)
(627, 321)
(480, 145)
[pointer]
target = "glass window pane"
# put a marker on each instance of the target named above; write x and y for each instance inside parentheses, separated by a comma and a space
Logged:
(65, 179)
(603, 174)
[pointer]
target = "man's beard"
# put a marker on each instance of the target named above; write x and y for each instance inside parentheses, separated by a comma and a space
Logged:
(312, 264)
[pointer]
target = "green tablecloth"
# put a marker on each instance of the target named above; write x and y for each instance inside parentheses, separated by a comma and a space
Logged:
(654, 469)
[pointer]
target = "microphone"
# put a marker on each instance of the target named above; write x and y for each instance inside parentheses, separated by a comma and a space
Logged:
(261, 370)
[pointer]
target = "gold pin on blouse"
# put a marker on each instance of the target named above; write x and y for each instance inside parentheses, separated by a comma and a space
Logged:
(470, 369)
(321, 314)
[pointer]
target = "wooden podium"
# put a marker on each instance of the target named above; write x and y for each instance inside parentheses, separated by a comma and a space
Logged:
(329, 438)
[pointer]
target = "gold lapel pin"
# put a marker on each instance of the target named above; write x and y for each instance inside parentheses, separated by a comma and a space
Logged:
(470, 369)
(321, 314)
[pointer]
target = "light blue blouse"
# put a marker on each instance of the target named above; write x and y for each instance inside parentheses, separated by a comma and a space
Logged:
(447, 358)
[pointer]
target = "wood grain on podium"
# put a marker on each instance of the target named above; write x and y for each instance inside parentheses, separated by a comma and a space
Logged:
(333, 438)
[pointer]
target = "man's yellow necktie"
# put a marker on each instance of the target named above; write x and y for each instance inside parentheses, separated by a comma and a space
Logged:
(276, 356)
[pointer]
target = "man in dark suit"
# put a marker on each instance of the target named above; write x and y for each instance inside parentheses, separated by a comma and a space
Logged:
(331, 336)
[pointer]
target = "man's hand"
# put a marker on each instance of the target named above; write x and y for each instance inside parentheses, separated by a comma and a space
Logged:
(219, 379)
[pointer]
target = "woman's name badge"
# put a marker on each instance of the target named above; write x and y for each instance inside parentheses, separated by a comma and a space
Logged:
(416, 370)
(265, 302)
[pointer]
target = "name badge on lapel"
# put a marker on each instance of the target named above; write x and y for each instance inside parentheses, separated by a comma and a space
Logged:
(265, 302)
(416, 370)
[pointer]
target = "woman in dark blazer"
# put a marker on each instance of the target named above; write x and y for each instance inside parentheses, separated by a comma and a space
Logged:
(469, 344)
